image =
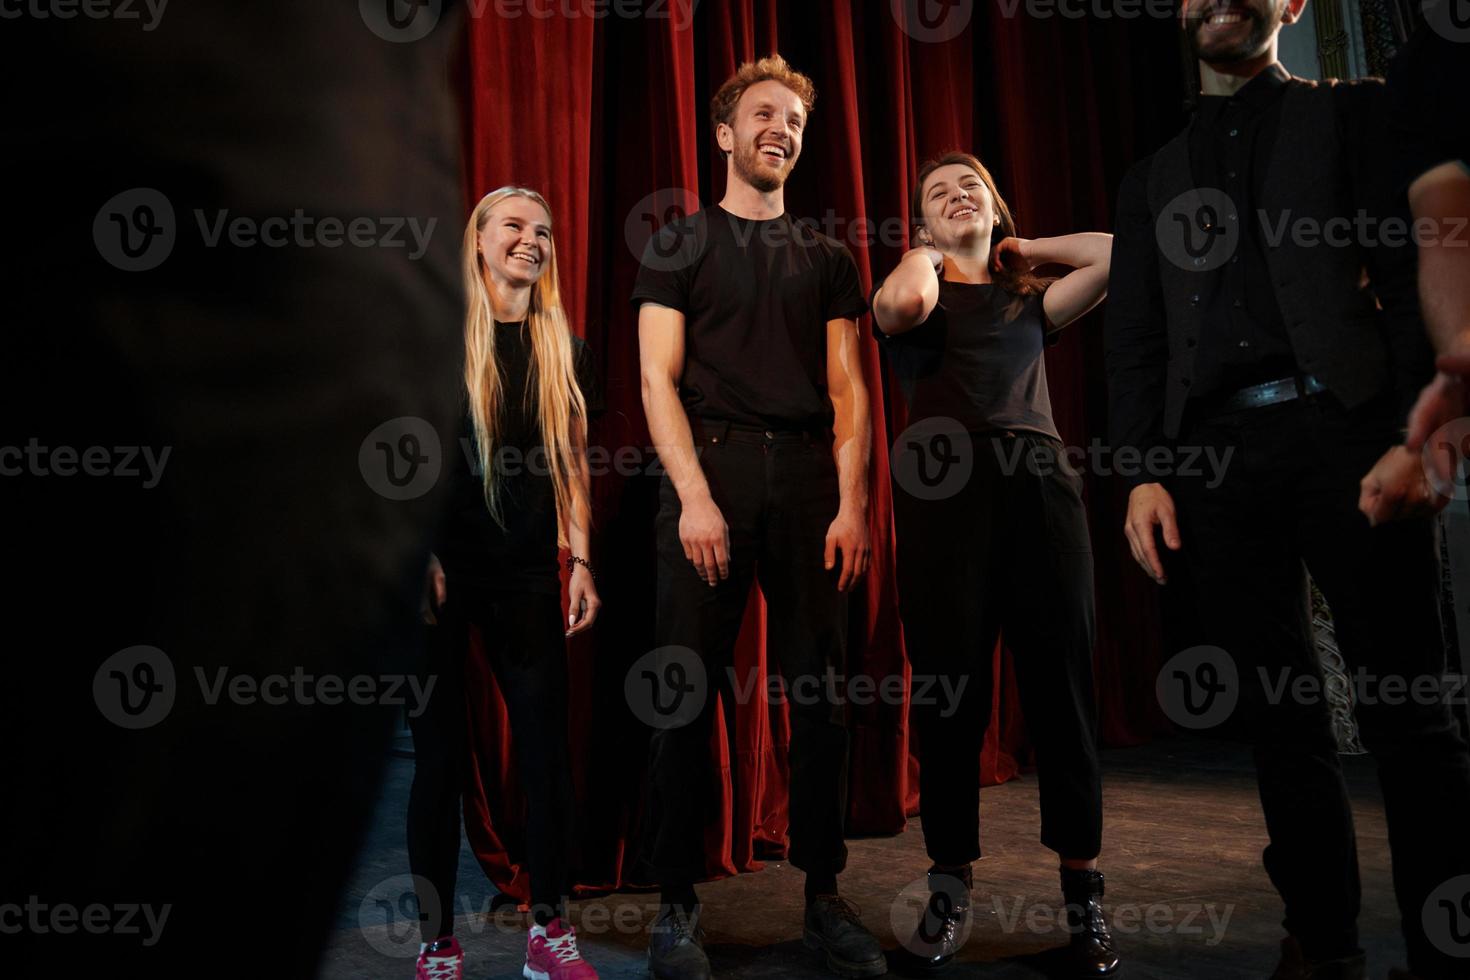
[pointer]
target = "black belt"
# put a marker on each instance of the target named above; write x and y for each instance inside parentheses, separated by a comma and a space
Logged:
(716, 431)
(1270, 393)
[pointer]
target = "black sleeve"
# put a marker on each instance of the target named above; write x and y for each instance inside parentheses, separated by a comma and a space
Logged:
(1135, 334)
(1389, 250)
(873, 298)
(664, 270)
(844, 288)
(587, 377)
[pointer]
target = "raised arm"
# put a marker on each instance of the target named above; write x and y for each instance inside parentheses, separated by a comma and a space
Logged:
(910, 292)
(702, 528)
(1089, 254)
(852, 433)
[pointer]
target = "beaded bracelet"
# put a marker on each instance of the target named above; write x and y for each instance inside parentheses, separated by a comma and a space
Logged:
(573, 561)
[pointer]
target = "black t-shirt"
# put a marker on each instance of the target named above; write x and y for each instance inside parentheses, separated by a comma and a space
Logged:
(756, 298)
(1429, 114)
(977, 359)
(521, 556)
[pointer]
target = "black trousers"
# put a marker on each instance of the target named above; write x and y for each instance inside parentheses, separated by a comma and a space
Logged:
(525, 644)
(1287, 506)
(1008, 553)
(778, 496)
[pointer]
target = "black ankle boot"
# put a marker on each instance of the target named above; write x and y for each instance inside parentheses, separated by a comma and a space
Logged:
(945, 924)
(1091, 949)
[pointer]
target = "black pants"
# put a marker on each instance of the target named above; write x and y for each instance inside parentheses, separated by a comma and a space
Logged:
(778, 496)
(525, 644)
(1008, 553)
(1287, 506)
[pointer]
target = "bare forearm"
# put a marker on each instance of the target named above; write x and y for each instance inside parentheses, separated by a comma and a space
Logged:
(1442, 196)
(852, 446)
(673, 439)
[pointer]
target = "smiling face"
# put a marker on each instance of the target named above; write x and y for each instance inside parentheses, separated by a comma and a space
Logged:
(515, 241)
(957, 207)
(764, 139)
(1227, 32)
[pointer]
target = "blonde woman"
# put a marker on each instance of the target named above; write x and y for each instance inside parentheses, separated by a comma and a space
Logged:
(519, 493)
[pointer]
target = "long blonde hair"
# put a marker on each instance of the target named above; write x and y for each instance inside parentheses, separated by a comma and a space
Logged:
(563, 408)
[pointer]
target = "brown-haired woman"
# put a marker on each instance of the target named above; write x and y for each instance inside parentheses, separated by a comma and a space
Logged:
(992, 535)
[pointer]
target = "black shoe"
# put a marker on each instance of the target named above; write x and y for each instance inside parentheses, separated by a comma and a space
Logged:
(1295, 966)
(943, 928)
(1091, 949)
(676, 946)
(832, 925)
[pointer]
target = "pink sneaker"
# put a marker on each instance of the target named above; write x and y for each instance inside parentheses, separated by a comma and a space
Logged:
(551, 954)
(443, 960)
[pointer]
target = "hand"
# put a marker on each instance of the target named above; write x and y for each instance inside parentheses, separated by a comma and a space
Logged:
(1011, 252)
(583, 603)
(931, 255)
(436, 589)
(1442, 401)
(706, 539)
(848, 534)
(1150, 506)
(1397, 487)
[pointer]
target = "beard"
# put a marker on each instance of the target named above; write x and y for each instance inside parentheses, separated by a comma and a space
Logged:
(1226, 52)
(755, 172)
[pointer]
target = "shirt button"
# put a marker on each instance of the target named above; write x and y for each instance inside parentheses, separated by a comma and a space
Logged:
(1231, 175)
(1235, 258)
(1235, 132)
(770, 434)
(1245, 343)
(1237, 304)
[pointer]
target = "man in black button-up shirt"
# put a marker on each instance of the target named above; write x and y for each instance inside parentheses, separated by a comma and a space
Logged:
(1261, 308)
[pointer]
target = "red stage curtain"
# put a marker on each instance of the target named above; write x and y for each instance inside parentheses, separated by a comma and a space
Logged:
(608, 118)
